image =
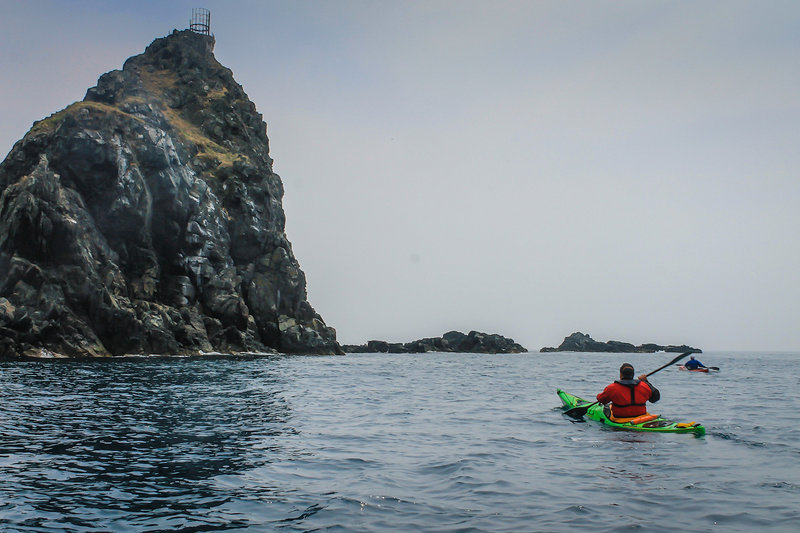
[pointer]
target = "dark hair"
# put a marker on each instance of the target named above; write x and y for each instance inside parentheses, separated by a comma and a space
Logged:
(626, 371)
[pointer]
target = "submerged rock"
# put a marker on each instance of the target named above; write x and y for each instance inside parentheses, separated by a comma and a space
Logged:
(452, 341)
(147, 219)
(580, 342)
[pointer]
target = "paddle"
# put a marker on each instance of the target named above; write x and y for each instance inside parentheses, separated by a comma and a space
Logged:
(579, 411)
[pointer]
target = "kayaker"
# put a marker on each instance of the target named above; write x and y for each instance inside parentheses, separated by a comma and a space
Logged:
(693, 364)
(629, 396)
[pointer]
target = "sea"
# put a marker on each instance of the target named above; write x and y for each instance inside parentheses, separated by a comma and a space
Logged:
(434, 442)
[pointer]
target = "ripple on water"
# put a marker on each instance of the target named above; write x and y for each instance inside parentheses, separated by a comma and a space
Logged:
(436, 442)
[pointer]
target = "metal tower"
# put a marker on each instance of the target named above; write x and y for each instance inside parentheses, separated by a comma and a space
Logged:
(200, 21)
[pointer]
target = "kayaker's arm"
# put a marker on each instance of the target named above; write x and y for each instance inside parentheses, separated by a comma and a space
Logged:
(603, 397)
(655, 395)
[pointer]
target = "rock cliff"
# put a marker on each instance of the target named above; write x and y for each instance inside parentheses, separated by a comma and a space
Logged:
(147, 219)
(580, 342)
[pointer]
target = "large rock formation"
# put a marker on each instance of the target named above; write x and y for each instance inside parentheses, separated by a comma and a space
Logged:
(452, 341)
(580, 342)
(147, 219)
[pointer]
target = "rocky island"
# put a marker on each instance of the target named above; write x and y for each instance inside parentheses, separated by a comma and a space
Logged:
(452, 341)
(147, 219)
(580, 342)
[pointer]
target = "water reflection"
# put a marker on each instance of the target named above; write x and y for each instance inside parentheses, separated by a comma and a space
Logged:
(141, 440)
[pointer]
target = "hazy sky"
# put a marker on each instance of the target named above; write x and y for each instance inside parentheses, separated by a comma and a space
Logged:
(627, 169)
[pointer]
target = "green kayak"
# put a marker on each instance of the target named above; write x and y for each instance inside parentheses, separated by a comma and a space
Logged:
(646, 423)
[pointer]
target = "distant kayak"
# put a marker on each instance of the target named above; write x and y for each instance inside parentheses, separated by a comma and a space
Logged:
(703, 369)
(651, 423)
(693, 369)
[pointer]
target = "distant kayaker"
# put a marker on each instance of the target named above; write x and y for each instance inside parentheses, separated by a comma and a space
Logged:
(629, 396)
(693, 364)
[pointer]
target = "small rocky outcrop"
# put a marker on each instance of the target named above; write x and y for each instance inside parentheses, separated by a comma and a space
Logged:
(452, 341)
(580, 342)
(147, 219)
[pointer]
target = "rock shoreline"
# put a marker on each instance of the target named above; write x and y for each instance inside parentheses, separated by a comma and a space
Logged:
(452, 341)
(580, 342)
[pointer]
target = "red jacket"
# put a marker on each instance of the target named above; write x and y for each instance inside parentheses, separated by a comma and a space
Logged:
(628, 397)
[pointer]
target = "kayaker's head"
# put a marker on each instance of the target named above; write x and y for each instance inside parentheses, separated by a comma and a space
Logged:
(626, 371)
(691, 358)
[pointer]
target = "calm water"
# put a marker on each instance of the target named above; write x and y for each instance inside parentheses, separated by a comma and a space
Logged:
(430, 442)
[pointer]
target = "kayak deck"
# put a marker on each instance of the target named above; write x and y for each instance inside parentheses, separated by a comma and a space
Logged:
(657, 425)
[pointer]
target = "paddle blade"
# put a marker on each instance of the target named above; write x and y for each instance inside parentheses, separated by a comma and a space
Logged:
(579, 411)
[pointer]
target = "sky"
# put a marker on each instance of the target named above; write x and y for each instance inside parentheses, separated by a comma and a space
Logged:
(625, 169)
